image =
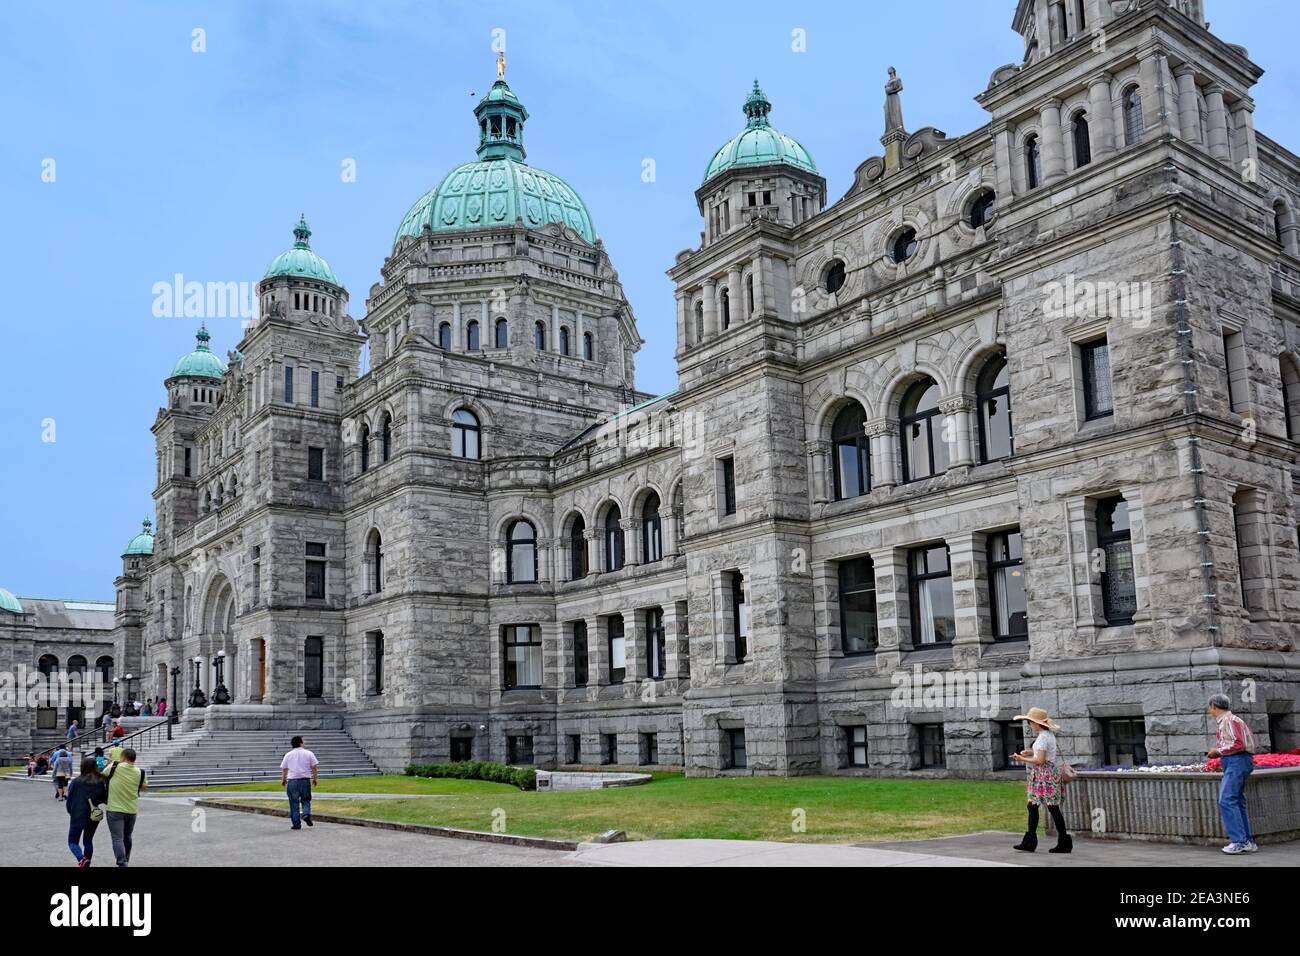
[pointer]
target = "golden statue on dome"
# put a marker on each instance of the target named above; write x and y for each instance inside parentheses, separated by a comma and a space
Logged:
(501, 65)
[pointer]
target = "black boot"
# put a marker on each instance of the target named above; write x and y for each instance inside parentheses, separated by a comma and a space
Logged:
(1030, 842)
(1064, 843)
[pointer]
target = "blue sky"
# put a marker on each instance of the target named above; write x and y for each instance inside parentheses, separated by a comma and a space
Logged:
(168, 160)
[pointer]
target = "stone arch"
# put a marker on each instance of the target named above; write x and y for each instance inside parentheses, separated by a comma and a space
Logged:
(892, 395)
(471, 404)
(972, 362)
(520, 512)
(566, 523)
(219, 605)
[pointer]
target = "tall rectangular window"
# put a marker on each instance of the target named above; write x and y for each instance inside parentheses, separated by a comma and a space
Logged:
(609, 748)
(735, 755)
(1118, 583)
(1011, 740)
(257, 574)
(288, 384)
(649, 749)
(739, 617)
(315, 571)
(1237, 370)
(617, 650)
(314, 667)
(519, 749)
(189, 459)
(655, 644)
(934, 620)
(523, 656)
(931, 742)
(315, 389)
(1098, 401)
(315, 464)
(377, 652)
(727, 484)
(581, 656)
(1007, 586)
(858, 633)
(856, 739)
(1124, 741)
(573, 753)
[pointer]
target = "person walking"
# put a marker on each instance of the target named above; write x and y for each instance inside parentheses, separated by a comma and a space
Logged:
(1234, 745)
(125, 781)
(107, 724)
(162, 706)
(100, 759)
(148, 708)
(73, 729)
(1044, 784)
(62, 764)
(297, 774)
(86, 799)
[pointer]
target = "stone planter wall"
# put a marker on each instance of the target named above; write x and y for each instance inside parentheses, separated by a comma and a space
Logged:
(1179, 807)
(588, 780)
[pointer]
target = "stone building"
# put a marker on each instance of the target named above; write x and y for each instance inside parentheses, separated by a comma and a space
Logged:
(1010, 423)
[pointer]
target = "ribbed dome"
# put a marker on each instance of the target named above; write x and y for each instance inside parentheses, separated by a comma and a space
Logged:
(200, 363)
(496, 192)
(142, 543)
(300, 260)
(758, 144)
(9, 603)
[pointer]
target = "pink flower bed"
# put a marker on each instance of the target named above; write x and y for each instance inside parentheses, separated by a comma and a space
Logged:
(1261, 760)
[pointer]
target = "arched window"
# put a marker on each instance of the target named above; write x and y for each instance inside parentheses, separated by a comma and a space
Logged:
(749, 294)
(472, 336)
(652, 536)
(588, 347)
(375, 562)
(981, 210)
(365, 447)
(1118, 583)
(76, 664)
(904, 245)
(835, 277)
(464, 434)
(444, 336)
(1082, 141)
(564, 340)
(1290, 395)
(724, 307)
(539, 336)
(921, 425)
(699, 321)
(578, 549)
(386, 438)
(852, 450)
(105, 667)
(613, 539)
(1133, 124)
(48, 664)
(1033, 162)
(521, 553)
(502, 334)
(993, 392)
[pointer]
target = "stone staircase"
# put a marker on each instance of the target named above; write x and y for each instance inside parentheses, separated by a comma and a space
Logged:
(203, 757)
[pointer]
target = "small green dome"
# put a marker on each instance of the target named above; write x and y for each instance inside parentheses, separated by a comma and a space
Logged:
(759, 144)
(142, 543)
(300, 260)
(496, 192)
(200, 363)
(9, 603)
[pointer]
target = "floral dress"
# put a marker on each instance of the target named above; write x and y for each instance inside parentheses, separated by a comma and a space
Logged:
(1044, 778)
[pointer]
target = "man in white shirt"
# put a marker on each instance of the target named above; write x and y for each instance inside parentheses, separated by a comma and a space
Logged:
(297, 774)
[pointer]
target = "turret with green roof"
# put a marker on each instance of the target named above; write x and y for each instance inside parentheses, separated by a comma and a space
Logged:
(200, 363)
(300, 260)
(142, 543)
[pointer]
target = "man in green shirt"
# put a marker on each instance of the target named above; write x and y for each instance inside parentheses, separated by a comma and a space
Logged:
(125, 781)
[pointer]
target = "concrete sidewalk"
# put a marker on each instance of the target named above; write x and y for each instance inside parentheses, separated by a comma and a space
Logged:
(677, 853)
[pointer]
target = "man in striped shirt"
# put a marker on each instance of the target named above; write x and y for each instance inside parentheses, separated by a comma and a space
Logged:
(1234, 745)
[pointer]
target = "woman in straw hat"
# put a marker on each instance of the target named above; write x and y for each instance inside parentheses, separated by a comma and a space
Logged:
(1044, 782)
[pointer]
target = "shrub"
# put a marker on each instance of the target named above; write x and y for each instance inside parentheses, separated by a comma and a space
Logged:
(525, 778)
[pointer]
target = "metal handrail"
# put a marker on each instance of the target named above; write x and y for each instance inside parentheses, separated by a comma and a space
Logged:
(151, 734)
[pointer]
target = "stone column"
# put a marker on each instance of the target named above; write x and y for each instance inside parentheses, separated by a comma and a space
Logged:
(683, 338)
(762, 276)
(710, 308)
(545, 550)
(1002, 162)
(631, 541)
(1102, 112)
(668, 521)
(819, 470)
(1053, 155)
(735, 297)
(635, 644)
(957, 429)
(968, 561)
(595, 559)
(457, 333)
(1189, 110)
(555, 328)
(597, 651)
(892, 619)
(578, 330)
(1216, 120)
(884, 453)
(1244, 146)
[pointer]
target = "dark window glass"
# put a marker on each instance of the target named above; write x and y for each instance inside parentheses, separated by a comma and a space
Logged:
(609, 748)
(315, 571)
(856, 739)
(836, 276)
(735, 755)
(925, 453)
(1033, 162)
(656, 644)
(852, 451)
(1133, 124)
(521, 553)
(581, 654)
(464, 434)
(649, 749)
(365, 447)
(1082, 142)
(444, 336)
(386, 438)
(502, 334)
(379, 663)
(574, 752)
(588, 347)
(1097, 399)
(1124, 740)
(462, 748)
(993, 392)
(905, 245)
(519, 749)
(315, 389)
(288, 384)
(981, 210)
(472, 337)
(728, 485)
(652, 539)
(189, 458)
(314, 667)
(617, 650)
(523, 655)
(739, 616)
(1118, 585)
(316, 464)
(1007, 584)
(539, 337)
(934, 620)
(564, 340)
(1011, 740)
(858, 633)
(578, 549)
(933, 753)
(613, 539)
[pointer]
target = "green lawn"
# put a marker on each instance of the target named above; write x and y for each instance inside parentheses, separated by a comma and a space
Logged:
(836, 809)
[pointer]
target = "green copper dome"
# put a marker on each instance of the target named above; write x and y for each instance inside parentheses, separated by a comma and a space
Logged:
(142, 543)
(499, 187)
(9, 603)
(300, 260)
(758, 144)
(200, 363)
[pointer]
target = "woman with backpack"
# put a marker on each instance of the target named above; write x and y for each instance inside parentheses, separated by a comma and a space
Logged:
(1047, 779)
(86, 799)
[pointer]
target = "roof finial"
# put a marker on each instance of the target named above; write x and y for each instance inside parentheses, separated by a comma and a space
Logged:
(202, 337)
(893, 102)
(757, 106)
(147, 526)
(301, 233)
(501, 65)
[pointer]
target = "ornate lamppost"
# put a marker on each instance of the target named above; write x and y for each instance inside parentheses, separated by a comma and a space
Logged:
(198, 698)
(220, 695)
(130, 697)
(176, 695)
(116, 710)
